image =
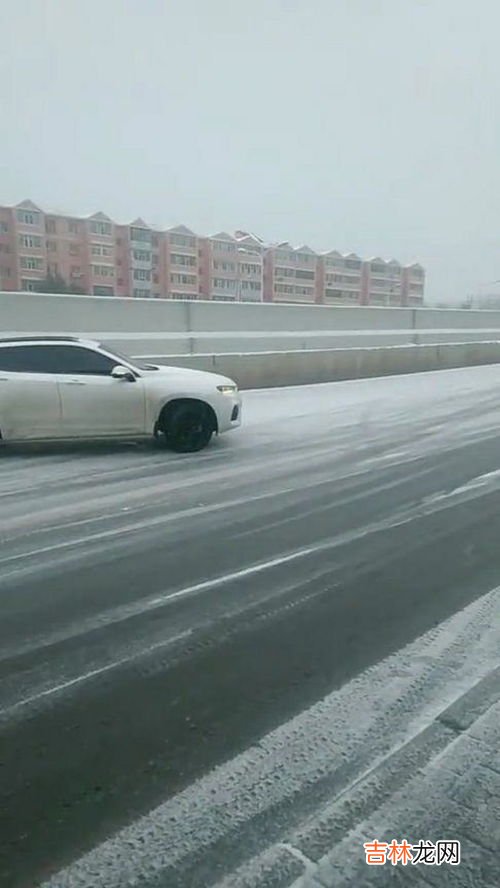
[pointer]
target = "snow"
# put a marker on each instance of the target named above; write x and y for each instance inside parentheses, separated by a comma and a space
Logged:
(368, 719)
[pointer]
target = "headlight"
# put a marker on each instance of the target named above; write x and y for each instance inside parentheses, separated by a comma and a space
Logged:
(228, 389)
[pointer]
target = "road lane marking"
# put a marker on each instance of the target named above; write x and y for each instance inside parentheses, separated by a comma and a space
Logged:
(367, 720)
(93, 673)
(476, 487)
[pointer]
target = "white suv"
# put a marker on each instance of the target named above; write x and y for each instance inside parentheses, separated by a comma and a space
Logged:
(62, 387)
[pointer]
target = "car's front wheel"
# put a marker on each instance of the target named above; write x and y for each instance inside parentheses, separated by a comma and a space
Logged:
(186, 428)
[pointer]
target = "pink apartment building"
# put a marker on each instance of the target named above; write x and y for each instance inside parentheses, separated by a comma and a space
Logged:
(291, 274)
(97, 256)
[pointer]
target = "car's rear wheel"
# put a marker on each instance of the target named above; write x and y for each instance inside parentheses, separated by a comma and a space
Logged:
(187, 428)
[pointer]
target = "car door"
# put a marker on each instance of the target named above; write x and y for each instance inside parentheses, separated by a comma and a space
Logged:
(30, 406)
(94, 403)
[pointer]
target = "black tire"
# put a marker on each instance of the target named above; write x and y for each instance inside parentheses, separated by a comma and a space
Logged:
(187, 428)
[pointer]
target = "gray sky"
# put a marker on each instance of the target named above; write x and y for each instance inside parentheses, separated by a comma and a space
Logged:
(367, 125)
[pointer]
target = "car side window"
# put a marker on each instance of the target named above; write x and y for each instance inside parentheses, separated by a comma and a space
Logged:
(23, 359)
(55, 359)
(74, 359)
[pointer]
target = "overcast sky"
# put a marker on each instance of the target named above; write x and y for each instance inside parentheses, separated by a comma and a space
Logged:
(366, 125)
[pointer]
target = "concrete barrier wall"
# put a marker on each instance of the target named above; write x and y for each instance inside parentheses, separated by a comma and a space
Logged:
(148, 327)
(268, 369)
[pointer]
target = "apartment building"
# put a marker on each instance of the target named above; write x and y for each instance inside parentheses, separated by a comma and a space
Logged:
(341, 279)
(67, 250)
(95, 255)
(350, 280)
(9, 279)
(181, 263)
(291, 274)
(412, 285)
(23, 252)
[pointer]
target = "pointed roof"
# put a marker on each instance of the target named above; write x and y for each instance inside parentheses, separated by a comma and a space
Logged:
(377, 259)
(28, 205)
(352, 256)
(334, 254)
(250, 241)
(223, 236)
(305, 249)
(416, 265)
(249, 235)
(181, 229)
(140, 223)
(394, 263)
(101, 217)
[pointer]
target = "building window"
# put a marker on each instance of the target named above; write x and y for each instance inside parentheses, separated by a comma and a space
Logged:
(183, 296)
(30, 240)
(223, 266)
(50, 226)
(4, 227)
(103, 271)
(304, 275)
(28, 284)
(182, 240)
(181, 259)
(141, 235)
(73, 227)
(183, 279)
(102, 228)
(51, 246)
(246, 268)
(223, 246)
(28, 217)
(224, 284)
(141, 255)
(100, 250)
(250, 285)
(101, 290)
(280, 271)
(141, 294)
(142, 274)
(31, 262)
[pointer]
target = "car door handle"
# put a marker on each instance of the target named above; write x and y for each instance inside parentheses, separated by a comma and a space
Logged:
(73, 382)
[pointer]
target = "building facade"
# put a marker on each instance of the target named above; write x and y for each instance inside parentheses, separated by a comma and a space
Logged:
(97, 256)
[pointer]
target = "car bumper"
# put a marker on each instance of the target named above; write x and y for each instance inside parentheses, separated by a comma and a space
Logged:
(228, 413)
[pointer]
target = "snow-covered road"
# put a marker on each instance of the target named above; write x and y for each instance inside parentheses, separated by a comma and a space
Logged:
(159, 614)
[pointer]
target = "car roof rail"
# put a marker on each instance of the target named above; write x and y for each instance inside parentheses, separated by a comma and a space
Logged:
(39, 339)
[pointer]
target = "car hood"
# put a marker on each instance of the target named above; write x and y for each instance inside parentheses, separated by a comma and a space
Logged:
(187, 374)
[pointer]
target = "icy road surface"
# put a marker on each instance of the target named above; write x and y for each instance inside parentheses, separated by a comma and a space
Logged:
(160, 615)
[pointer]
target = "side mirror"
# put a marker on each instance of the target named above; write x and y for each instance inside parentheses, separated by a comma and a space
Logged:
(122, 373)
